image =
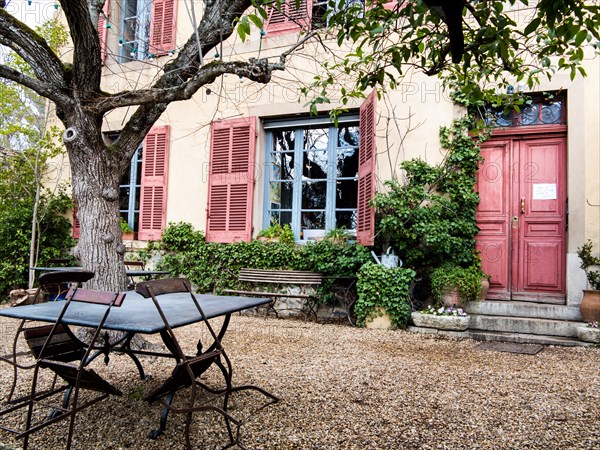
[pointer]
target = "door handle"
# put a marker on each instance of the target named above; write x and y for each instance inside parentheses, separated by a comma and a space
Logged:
(522, 205)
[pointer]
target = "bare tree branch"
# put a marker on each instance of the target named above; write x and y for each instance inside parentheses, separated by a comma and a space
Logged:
(87, 66)
(44, 89)
(33, 49)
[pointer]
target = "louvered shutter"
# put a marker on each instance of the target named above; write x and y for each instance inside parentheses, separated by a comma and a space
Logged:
(162, 27)
(290, 18)
(390, 4)
(103, 29)
(231, 180)
(153, 198)
(76, 225)
(366, 171)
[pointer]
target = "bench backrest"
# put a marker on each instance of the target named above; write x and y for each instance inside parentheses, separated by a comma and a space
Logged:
(280, 276)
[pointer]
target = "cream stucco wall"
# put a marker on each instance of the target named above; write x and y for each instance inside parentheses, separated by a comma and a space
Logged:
(419, 104)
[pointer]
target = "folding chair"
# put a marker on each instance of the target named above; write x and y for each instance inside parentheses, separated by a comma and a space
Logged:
(64, 346)
(190, 368)
(75, 376)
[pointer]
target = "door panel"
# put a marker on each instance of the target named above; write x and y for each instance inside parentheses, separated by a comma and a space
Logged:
(494, 187)
(522, 218)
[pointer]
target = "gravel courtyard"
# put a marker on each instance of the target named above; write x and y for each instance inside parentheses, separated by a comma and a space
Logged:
(348, 388)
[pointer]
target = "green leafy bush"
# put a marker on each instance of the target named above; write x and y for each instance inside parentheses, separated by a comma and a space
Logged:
(587, 261)
(379, 286)
(55, 239)
(214, 266)
(430, 217)
(448, 276)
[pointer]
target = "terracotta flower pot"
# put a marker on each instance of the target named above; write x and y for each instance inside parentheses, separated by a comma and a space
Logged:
(485, 287)
(590, 306)
(451, 297)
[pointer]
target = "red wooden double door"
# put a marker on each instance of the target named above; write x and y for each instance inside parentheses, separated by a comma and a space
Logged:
(522, 217)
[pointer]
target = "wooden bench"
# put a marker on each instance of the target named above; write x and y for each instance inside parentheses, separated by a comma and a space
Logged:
(280, 277)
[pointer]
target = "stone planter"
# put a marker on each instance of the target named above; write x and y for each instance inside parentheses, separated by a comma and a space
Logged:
(589, 334)
(456, 323)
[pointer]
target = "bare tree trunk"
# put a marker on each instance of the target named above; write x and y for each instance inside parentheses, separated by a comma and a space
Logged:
(95, 173)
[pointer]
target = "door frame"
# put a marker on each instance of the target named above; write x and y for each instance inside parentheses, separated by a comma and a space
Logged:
(532, 132)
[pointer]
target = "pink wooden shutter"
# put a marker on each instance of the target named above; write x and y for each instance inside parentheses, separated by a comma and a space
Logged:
(162, 28)
(153, 198)
(76, 225)
(366, 171)
(103, 30)
(231, 180)
(290, 18)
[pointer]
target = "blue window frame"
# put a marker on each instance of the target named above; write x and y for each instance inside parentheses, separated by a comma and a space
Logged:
(312, 177)
(135, 30)
(130, 190)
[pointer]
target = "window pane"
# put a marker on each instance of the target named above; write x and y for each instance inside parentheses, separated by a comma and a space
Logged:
(346, 219)
(347, 163)
(283, 140)
(316, 138)
(136, 206)
(281, 217)
(346, 194)
(314, 194)
(282, 167)
(314, 165)
(124, 198)
(313, 220)
(126, 178)
(552, 113)
(281, 195)
(348, 136)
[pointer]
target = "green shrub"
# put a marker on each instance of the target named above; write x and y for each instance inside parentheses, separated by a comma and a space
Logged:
(379, 286)
(214, 266)
(429, 218)
(448, 276)
(15, 233)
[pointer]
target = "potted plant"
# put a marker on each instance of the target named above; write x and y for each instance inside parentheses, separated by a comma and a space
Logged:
(590, 304)
(453, 285)
(126, 230)
(276, 232)
(442, 318)
(383, 292)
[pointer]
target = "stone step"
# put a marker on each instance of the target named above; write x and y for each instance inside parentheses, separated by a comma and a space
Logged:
(524, 309)
(522, 338)
(524, 325)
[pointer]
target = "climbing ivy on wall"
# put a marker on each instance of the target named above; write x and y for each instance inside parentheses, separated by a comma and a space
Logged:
(429, 217)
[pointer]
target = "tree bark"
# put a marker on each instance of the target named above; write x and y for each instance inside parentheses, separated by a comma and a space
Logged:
(95, 174)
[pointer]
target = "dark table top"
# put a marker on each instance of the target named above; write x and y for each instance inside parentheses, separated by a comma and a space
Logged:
(137, 314)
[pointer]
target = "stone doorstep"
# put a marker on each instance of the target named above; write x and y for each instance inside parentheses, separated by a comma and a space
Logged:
(524, 309)
(525, 325)
(503, 337)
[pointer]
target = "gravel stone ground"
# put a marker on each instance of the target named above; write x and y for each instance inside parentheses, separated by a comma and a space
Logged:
(349, 388)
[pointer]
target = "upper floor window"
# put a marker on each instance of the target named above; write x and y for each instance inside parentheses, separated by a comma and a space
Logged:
(312, 180)
(134, 40)
(297, 14)
(147, 29)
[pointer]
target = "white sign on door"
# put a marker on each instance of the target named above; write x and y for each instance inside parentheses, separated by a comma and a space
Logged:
(544, 191)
